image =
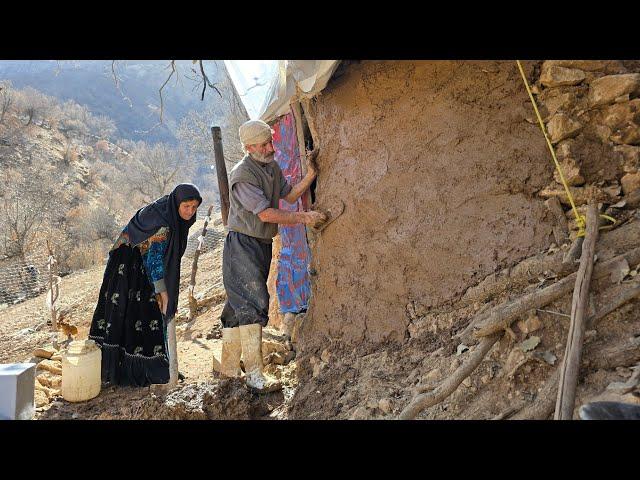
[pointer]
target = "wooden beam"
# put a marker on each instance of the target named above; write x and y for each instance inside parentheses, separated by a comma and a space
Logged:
(221, 171)
(570, 368)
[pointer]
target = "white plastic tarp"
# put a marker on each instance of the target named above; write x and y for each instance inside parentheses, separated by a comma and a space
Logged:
(295, 79)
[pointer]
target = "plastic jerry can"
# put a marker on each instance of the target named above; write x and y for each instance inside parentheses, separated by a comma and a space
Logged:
(81, 371)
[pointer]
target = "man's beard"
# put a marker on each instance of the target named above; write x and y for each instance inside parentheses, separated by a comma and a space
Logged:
(258, 157)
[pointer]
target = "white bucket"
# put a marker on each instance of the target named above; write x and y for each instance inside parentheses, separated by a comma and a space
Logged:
(81, 366)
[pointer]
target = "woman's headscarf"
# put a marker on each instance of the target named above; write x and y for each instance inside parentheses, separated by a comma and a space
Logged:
(164, 213)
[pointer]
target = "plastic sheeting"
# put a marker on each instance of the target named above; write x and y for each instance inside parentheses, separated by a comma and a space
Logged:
(293, 80)
(292, 283)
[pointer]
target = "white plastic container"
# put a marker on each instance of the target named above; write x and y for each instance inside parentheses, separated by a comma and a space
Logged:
(81, 371)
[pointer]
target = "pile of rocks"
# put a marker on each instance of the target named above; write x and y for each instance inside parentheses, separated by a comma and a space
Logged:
(592, 114)
(48, 375)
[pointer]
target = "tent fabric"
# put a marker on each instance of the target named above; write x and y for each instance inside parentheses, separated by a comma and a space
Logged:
(292, 283)
(295, 79)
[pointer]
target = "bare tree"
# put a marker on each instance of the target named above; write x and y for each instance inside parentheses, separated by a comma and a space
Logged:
(34, 104)
(154, 170)
(101, 126)
(27, 199)
(6, 99)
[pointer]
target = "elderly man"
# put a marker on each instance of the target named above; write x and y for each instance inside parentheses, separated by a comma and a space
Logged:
(256, 186)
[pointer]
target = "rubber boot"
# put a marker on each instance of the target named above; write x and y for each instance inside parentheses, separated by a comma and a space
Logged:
(251, 338)
(231, 351)
(287, 324)
(173, 353)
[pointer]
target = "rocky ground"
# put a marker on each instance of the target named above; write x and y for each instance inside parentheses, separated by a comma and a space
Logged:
(25, 336)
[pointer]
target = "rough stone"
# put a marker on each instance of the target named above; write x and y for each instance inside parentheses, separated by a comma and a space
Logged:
(56, 382)
(571, 172)
(45, 352)
(630, 182)
(616, 115)
(606, 89)
(433, 375)
(51, 366)
(466, 382)
(325, 356)
(602, 132)
(40, 398)
(607, 66)
(627, 135)
(556, 76)
(559, 103)
(565, 148)
(44, 380)
(360, 413)
(270, 346)
(630, 156)
(385, 405)
(515, 359)
(372, 403)
(633, 199)
(561, 127)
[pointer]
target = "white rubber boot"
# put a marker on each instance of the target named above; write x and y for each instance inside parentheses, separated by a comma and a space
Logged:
(231, 351)
(251, 338)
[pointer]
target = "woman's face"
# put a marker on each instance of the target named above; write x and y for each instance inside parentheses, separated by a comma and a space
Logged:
(188, 209)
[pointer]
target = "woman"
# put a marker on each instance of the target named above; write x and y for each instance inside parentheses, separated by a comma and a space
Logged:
(139, 293)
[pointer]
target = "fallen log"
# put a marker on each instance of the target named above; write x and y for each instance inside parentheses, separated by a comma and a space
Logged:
(502, 316)
(447, 387)
(573, 352)
(625, 354)
(614, 304)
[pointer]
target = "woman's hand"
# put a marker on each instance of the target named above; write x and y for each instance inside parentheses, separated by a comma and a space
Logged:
(163, 300)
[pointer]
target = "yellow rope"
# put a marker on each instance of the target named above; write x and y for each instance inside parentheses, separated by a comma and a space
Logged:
(580, 219)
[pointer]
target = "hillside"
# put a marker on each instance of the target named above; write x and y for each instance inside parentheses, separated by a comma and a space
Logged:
(134, 104)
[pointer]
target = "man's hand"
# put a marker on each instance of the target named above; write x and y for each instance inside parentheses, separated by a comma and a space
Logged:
(314, 218)
(312, 164)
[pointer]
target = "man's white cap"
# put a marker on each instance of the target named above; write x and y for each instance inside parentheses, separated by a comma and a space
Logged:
(254, 131)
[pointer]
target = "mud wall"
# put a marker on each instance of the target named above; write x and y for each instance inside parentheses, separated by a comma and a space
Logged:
(439, 170)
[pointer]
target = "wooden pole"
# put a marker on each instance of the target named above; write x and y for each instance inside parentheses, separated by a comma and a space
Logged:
(54, 292)
(221, 171)
(297, 115)
(571, 362)
(193, 304)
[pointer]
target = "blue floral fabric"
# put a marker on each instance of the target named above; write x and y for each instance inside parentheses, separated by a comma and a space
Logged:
(152, 250)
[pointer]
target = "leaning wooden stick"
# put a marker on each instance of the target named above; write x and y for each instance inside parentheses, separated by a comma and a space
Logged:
(193, 304)
(54, 292)
(447, 387)
(221, 172)
(569, 370)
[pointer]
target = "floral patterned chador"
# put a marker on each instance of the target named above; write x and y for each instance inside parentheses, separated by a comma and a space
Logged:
(127, 322)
